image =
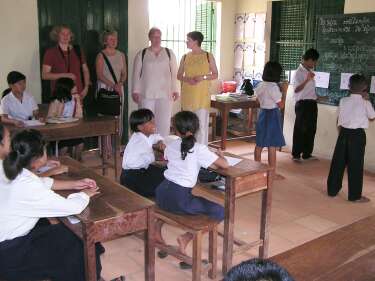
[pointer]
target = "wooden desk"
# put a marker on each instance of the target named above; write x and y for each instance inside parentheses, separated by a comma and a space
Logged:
(345, 254)
(242, 179)
(224, 107)
(116, 212)
(87, 127)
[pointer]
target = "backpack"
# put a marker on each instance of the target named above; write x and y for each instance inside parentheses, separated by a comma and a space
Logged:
(143, 56)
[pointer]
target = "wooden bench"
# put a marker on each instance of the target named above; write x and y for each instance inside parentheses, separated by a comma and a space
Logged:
(197, 225)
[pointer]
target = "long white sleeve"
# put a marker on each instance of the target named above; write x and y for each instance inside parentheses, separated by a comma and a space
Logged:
(174, 83)
(137, 73)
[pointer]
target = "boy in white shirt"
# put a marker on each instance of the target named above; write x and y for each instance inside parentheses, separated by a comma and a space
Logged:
(306, 107)
(18, 105)
(353, 114)
(137, 173)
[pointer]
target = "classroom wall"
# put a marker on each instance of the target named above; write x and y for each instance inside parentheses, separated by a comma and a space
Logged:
(326, 134)
(20, 43)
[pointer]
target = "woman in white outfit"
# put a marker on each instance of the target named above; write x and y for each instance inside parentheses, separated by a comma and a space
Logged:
(155, 81)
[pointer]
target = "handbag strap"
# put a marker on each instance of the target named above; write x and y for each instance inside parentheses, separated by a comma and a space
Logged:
(109, 67)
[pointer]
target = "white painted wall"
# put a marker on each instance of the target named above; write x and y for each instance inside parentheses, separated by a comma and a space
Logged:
(20, 43)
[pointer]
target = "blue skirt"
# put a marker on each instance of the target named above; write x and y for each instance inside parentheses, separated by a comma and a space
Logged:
(268, 128)
(177, 199)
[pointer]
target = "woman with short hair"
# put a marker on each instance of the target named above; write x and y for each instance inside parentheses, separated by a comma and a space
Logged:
(65, 61)
(155, 81)
(196, 69)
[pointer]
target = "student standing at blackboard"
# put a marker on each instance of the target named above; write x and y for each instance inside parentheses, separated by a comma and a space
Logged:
(354, 113)
(306, 107)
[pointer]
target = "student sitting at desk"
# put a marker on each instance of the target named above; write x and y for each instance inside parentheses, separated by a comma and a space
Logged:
(66, 103)
(354, 113)
(29, 250)
(17, 105)
(137, 173)
(185, 157)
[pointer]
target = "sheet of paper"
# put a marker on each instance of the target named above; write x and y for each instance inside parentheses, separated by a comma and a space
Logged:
(321, 79)
(249, 26)
(240, 27)
(372, 86)
(73, 219)
(233, 161)
(238, 55)
(344, 82)
(30, 123)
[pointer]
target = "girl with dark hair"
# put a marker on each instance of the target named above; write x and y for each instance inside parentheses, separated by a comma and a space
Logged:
(271, 97)
(185, 157)
(66, 103)
(137, 173)
(29, 250)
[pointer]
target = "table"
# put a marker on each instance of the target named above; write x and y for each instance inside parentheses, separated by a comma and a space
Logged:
(345, 254)
(242, 179)
(116, 212)
(87, 127)
(225, 106)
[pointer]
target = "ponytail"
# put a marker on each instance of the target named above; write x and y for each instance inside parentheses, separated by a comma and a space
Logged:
(6, 91)
(12, 165)
(186, 145)
(26, 146)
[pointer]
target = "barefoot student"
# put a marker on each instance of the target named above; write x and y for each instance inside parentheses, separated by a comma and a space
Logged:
(354, 114)
(29, 250)
(185, 157)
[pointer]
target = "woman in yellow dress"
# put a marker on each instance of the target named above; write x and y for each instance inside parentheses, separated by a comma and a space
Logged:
(196, 69)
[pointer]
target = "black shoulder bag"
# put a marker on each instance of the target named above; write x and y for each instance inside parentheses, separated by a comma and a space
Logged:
(109, 102)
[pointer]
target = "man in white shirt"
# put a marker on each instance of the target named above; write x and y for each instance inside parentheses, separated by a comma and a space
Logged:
(155, 81)
(306, 107)
(354, 114)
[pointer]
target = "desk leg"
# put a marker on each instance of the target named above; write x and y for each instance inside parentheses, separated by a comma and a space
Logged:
(266, 216)
(115, 154)
(228, 225)
(104, 154)
(224, 127)
(89, 254)
(150, 247)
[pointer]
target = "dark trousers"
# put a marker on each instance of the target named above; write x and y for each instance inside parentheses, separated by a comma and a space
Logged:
(304, 128)
(47, 252)
(349, 152)
(143, 181)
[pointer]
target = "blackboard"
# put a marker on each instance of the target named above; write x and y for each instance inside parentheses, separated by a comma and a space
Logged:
(346, 44)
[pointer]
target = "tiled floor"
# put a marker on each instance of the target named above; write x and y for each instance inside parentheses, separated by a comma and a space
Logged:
(301, 211)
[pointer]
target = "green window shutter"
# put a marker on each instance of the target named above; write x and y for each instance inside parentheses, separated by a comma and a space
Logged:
(205, 22)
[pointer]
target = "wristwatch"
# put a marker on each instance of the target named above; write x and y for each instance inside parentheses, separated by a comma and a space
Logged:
(205, 77)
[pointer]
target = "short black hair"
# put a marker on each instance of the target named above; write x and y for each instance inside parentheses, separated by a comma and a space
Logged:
(63, 89)
(196, 36)
(14, 76)
(311, 54)
(140, 117)
(256, 270)
(358, 83)
(272, 72)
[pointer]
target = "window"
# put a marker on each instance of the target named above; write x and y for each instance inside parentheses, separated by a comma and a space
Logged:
(181, 17)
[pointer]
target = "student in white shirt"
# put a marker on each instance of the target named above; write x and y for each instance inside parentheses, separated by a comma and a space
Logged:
(67, 103)
(354, 113)
(29, 250)
(268, 129)
(155, 81)
(185, 157)
(137, 173)
(306, 107)
(17, 105)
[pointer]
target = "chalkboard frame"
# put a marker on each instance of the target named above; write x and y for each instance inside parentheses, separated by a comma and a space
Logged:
(329, 60)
